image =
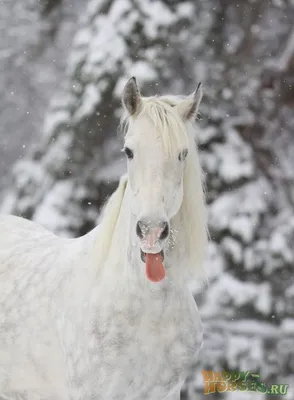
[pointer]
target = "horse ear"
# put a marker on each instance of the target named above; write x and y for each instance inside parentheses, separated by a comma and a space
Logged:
(131, 97)
(188, 108)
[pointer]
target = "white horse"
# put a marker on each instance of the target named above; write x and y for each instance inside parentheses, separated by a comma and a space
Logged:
(109, 316)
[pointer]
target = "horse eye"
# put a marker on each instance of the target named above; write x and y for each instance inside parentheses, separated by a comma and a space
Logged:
(183, 154)
(128, 152)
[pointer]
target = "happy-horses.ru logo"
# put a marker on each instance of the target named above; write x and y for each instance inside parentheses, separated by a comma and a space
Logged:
(244, 381)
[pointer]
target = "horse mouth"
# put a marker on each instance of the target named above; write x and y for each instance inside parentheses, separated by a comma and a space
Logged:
(143, 255)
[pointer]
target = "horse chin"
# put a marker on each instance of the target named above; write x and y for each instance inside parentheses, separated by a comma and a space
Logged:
(143, 255)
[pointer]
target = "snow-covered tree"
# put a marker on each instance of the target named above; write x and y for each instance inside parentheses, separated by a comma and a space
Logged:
(243, 54)
(34, 42)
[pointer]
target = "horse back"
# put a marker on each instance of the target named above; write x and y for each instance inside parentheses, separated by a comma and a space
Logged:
(19, 236)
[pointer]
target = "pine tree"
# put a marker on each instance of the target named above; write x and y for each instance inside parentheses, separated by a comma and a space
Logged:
(244, 139)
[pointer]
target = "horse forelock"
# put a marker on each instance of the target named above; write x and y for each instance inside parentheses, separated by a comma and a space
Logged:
(161, 112)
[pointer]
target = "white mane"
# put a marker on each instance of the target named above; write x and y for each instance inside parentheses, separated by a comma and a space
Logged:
(109, 217)
(175, 134)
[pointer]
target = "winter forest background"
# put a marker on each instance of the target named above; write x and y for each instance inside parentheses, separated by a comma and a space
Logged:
(63, 64)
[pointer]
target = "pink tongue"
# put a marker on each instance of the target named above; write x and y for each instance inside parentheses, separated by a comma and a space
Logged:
(154, 268)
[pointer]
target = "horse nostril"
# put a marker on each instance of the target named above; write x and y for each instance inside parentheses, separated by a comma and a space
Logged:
(165, 231)
(139, 230)
(158, 230)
